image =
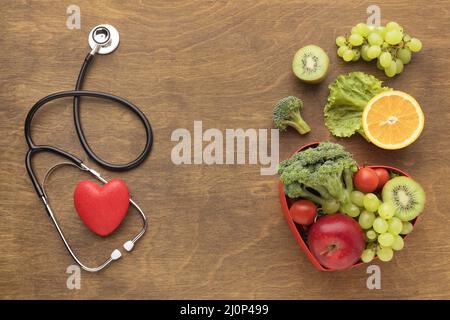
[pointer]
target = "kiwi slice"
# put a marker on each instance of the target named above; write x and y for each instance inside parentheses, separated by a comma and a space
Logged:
(406, 195)
(311, 64)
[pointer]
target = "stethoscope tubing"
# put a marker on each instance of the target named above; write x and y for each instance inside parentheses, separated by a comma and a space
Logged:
(95, 94)
(79, 129)
(34, 149)
(76, 94)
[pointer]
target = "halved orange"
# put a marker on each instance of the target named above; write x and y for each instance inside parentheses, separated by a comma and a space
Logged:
(392, 120)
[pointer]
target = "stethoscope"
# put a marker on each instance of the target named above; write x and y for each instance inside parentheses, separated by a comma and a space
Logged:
(103, 39)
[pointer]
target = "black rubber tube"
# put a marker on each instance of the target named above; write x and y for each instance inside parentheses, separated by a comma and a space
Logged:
(77, 93)
(80, 132)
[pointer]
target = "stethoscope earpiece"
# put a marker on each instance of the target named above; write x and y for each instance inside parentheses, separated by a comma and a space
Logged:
(128, 245)
(104, 39)
(116, 254)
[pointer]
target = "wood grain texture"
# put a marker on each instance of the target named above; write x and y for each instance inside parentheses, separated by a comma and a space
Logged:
(215, 231)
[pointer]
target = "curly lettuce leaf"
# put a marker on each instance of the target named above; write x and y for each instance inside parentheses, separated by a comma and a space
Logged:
(348, 97)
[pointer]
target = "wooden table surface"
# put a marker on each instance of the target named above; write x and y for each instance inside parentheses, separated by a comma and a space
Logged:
(215, 231)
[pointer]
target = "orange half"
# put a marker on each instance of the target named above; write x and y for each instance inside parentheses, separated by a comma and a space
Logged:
(393, 120)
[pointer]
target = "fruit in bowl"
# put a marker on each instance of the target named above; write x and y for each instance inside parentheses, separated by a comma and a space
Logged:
(303, 212)
(336, 241)
(383, 202)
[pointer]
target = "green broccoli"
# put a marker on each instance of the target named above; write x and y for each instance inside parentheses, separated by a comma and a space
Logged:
(323, 174)
(287, 113)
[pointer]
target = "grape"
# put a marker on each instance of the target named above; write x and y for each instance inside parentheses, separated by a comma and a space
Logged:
(371, 202)
(355, 39)
(399, 66)
(357, 198)
(380, 225)
(351, 210)
(385, 254)
(371, 235)
(395, 226)
(404, 55)
(393, 26)
(398, 243)
(385, 59)
(393, 37)
(373, 52)
(407, 227)
(375, 39)
(340, 41)
(362, 29)
(366, 219)
(364, 56)
(368, 255)
(341, 50)
(389, 44)
(348, 55)
(391, 70)
(415, 45)
(389, 73)
(386, 239)
(381, 31)
(330, 206)
(386, 210)
(379, 66)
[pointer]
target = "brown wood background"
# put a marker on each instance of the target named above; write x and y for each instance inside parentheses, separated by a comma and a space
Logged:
(215, 231)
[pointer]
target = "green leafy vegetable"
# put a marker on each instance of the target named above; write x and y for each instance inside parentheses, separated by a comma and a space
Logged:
(322, 175)
(287, 113)
(348, 97)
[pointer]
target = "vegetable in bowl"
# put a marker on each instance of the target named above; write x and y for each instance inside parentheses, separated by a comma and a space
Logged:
(386, 214)
(322, 175)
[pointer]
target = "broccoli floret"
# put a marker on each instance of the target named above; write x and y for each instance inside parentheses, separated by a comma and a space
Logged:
(287, 113)
(320, 174)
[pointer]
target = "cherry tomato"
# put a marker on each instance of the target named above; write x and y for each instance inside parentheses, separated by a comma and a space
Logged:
(383, 176)
(366, 180)
(303, 212)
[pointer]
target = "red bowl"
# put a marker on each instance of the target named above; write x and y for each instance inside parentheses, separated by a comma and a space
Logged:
(298, 230)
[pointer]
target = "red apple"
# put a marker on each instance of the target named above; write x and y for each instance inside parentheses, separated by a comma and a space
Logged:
(336, 241)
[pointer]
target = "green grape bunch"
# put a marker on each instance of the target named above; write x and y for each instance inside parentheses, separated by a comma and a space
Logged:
(382, 230)
(389, 45)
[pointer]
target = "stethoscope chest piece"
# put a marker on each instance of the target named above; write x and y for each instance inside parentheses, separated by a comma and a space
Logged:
(104, 39)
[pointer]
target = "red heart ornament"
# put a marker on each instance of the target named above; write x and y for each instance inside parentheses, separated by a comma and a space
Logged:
(102, 208)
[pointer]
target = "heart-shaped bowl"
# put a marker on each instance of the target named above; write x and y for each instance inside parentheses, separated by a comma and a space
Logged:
(300, 232)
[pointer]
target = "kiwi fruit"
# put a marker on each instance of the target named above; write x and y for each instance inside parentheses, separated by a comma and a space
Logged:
(311, 64)
(406, 195)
